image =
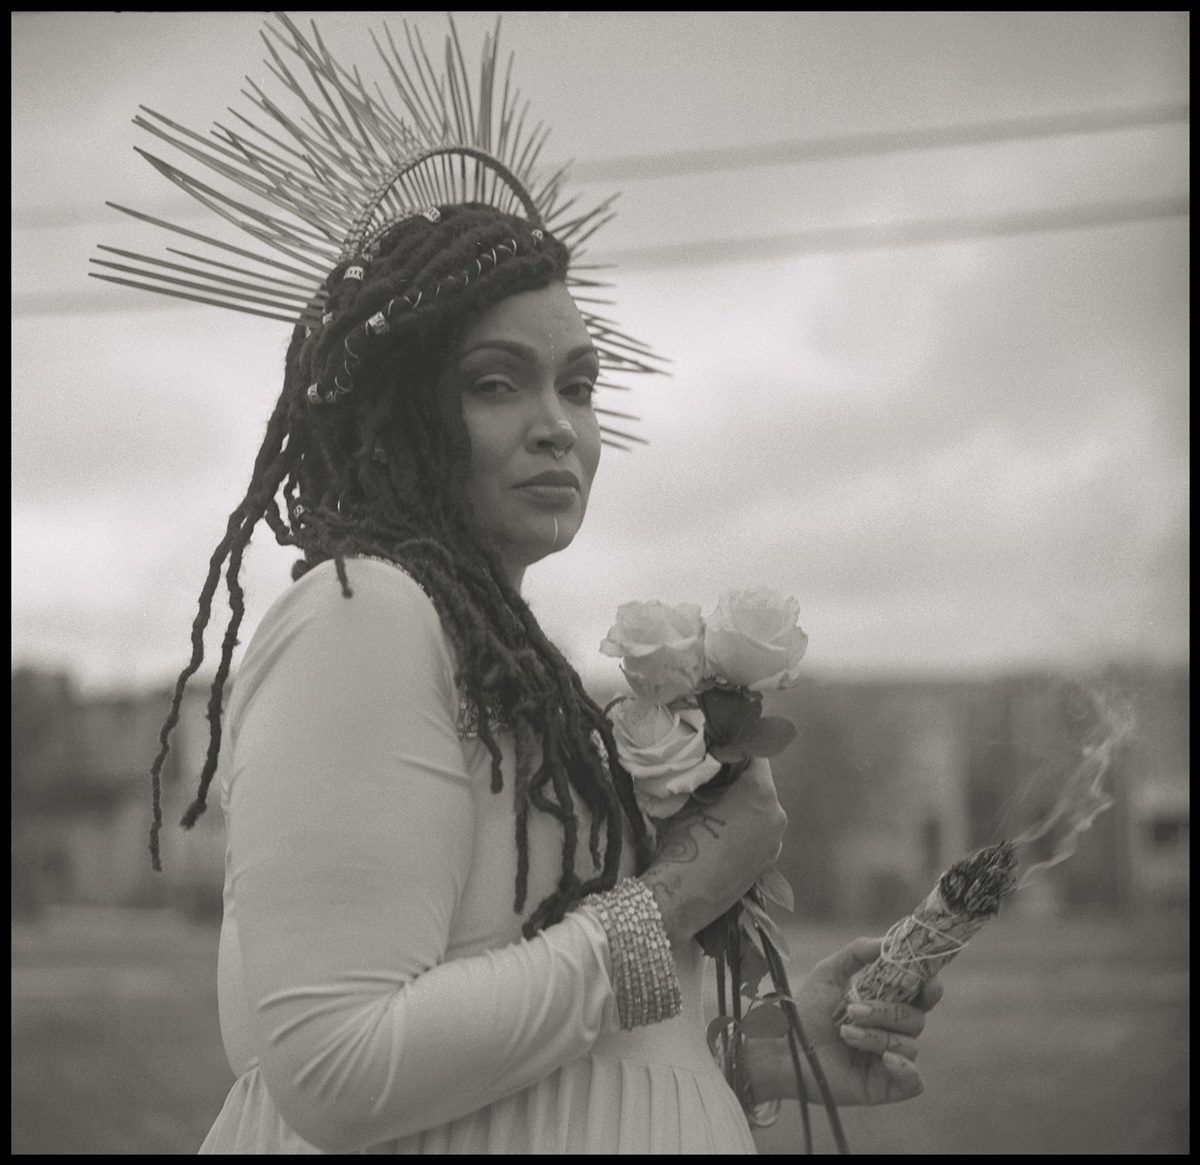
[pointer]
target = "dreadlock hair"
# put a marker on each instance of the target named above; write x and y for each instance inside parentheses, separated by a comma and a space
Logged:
(382, 471)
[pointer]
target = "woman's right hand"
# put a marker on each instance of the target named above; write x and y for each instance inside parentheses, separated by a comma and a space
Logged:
(711, 853)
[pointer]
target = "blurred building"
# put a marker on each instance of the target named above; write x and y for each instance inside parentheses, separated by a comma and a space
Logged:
(82, 805)
(891, 781)
(1158, 814)
(876, 793)
(888, 782)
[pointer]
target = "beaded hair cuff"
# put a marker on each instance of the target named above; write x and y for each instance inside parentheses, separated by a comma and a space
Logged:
(643, 968)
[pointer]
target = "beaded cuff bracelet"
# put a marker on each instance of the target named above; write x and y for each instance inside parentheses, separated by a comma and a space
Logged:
(643, 968)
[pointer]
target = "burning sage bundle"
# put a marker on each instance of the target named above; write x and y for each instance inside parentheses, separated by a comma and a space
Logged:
(971, 891)
(917, 947)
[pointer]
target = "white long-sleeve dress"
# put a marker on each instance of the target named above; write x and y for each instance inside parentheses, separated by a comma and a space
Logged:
(375, 993)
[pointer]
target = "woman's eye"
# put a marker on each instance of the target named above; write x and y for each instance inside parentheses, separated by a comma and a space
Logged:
(580, 390)
(492, 387)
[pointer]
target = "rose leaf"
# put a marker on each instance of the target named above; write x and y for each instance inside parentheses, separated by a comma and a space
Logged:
(768, 737)
(714, 938)
(766, 1021)
(728, 712)
(764, 920)
(716, 1028)
(754, 967)
(775, 887)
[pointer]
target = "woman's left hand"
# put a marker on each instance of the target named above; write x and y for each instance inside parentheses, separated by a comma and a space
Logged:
(869, 1059)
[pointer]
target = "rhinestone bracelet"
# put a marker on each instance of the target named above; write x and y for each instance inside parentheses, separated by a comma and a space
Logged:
(643, 968)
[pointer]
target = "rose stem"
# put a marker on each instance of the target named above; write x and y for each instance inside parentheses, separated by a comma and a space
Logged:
(735, 961)
(775, 964)
(801, 1090)
(722, 1003)
(794, 1051)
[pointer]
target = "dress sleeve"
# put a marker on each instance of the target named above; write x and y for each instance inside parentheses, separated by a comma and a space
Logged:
(351, 828)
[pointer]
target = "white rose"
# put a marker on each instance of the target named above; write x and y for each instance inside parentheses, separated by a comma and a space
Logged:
(664, 752)
(752, 639)
(662, 648)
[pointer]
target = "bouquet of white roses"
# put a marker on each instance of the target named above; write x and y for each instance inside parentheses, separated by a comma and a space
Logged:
(692, 725)
(698, 687)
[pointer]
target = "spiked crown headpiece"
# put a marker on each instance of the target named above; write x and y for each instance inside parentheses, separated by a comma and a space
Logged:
(318, 189)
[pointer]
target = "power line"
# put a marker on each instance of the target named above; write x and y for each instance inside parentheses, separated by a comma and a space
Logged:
(677, 163)
(673, 163)
(831, 240)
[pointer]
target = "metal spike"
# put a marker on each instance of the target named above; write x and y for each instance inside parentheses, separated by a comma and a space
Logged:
(406, 89)
(614, 444)
(229, 267)
(265, 190)
(228, 290)
(214, 198)
(421, 58)
(287, 319)
(466, 130)
(292, 292)
(613, 413)
(624, 436)
(208, 239)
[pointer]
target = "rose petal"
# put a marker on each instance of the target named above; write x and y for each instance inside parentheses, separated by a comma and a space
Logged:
(659, 807)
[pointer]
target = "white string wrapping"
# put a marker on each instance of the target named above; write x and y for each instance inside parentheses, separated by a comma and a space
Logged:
(914, 950)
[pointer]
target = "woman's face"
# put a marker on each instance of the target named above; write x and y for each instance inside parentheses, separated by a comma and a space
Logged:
(525, 372)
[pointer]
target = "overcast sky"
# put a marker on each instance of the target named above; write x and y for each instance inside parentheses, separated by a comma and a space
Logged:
(964, 453)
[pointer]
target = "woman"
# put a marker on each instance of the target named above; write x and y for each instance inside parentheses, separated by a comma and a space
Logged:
(447, 927)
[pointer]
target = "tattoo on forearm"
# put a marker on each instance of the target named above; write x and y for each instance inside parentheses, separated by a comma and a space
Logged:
(665, 886)
(666, 880)
(681, 845)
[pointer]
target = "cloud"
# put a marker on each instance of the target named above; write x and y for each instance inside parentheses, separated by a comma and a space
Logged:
(137, 406)
(951, 459)
(952, 455)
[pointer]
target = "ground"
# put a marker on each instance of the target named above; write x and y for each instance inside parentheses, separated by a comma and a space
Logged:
(1054, 1036)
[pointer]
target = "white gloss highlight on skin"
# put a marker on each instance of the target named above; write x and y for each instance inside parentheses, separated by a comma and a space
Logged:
(555, 542)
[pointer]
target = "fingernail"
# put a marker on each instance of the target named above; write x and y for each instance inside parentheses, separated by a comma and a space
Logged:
(894, 1060)
(857, 1011)
(851, 1032)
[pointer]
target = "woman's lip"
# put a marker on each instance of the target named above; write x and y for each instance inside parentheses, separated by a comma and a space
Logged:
(551, 494)
(553, 477)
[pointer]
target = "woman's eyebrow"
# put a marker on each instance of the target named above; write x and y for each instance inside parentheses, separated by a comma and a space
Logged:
(524, 351)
